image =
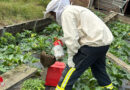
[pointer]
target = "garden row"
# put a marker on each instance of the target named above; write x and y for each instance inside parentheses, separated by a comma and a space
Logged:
(18, 45)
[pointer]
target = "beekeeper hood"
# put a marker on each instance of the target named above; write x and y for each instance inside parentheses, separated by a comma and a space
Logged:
(56, 6)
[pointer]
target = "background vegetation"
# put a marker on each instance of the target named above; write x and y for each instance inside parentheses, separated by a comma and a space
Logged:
(15, 11)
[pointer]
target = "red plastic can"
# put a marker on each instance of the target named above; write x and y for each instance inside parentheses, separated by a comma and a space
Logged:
(54, 73)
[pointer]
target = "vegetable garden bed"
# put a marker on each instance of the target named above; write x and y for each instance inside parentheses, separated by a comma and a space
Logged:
(20, 48)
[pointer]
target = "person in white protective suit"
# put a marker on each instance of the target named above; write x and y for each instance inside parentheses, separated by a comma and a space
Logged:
(87, 39)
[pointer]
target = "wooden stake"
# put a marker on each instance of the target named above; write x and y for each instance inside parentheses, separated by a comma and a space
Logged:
(13, 76)
(110, 16)
(118, 61)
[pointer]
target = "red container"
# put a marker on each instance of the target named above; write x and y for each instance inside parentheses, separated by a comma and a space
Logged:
(2, 81)
(54, 73)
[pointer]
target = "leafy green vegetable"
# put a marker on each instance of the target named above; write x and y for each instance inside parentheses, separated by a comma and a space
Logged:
(33, 84)
(7, 38)
(120, 30)
(120, 47)
(54, 29)
(18, 49)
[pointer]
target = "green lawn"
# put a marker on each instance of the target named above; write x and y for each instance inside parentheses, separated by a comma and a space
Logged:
(16, 11)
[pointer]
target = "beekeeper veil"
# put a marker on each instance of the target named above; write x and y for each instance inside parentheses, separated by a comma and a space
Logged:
(56, 6)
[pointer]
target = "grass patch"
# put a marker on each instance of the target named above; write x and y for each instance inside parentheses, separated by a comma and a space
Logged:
(14, 11)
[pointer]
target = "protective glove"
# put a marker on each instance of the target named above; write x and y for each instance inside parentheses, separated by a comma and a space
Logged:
(58, 52)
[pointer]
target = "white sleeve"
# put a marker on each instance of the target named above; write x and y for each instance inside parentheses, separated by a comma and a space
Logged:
(71, 36)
